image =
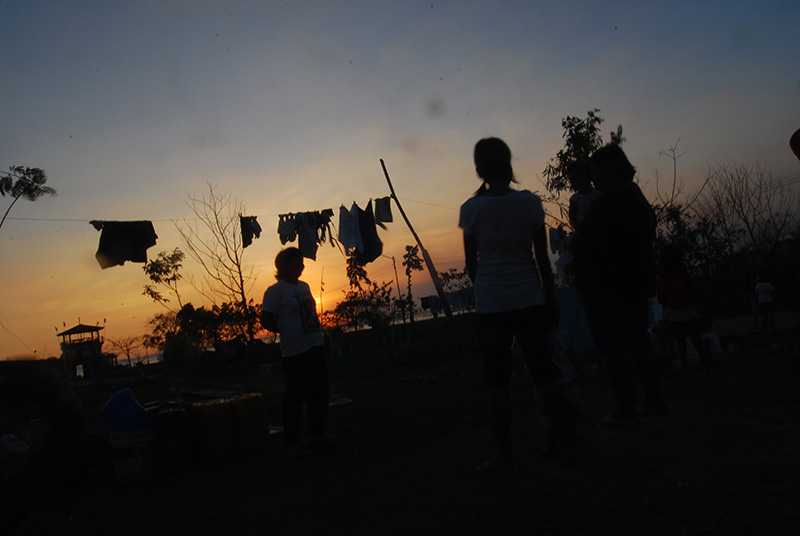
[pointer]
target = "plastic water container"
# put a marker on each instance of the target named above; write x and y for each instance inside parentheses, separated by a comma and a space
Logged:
(250, 422)
(132, 454)
(173, 439)
(212, 429)
(123, 412)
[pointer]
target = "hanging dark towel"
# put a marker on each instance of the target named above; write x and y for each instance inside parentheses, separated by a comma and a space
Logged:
(122, 241)
(287, 228)
(250, 229)
(373, 247)
(383, 211)
(307, 234)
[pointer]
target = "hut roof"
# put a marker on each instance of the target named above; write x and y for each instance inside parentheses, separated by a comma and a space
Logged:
(80, 328)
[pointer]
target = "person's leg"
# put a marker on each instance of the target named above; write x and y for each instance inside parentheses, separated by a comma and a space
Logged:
(679, 334)
(696, 336)
(293, 398)
(532, 329)
(494, 335)
(645, 359)
(623, 384)
(610, 324)
(318, 392)
(771, 315)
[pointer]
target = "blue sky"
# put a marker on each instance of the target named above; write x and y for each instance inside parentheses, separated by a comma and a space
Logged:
(130, 107)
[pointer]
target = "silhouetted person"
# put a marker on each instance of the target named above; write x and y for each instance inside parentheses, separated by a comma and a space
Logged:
(289, 309)
(615, 275)
(676, 293)
(765, 296)
(49, 419)
(584, 194)
(502, 229)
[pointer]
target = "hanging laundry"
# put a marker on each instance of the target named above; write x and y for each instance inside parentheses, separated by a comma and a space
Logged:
(373, 247)
(250, 229)
(287, 230)
(122, 241)
(309, 228)
(306, 234)
(349, 233)
(431, 302)
(324, 226)
(383, 211)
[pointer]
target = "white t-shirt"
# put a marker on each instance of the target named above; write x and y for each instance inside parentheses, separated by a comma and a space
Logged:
(584, 202)
(503, 227)
(296, 312)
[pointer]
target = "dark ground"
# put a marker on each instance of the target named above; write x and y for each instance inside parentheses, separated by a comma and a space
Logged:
(723, 461)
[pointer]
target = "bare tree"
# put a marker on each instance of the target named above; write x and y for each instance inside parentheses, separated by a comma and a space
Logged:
(751, 210)
(213, 239)
(127, 345)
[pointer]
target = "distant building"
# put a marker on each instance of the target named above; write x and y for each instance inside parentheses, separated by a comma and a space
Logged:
(82, 346)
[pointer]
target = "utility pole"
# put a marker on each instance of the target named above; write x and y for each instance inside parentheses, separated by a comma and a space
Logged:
(427, 258)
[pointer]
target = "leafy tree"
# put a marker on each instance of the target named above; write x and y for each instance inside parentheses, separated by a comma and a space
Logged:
(25, 182)
(413, 263)
(356, 274)
(232, 319)
(162, 327)
(453, 279)
(369, 305)
(164, 270)
(581, 138)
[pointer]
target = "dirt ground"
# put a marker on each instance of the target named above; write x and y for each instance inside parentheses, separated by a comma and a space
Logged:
(723, 461)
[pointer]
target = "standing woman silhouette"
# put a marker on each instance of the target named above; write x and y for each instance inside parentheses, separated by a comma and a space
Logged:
(503, 229)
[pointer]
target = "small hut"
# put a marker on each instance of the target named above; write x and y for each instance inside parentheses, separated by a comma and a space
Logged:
(82, 345)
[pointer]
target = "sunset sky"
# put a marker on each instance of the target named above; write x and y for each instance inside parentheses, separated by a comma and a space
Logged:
(130, 107)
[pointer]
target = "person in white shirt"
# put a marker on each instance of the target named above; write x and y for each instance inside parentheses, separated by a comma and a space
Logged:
(290, 310)
(514, 298)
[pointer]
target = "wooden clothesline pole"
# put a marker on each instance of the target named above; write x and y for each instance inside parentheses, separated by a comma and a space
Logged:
(427, 258)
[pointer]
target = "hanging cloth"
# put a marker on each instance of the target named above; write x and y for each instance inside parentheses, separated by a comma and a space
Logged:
(287, 228)
(383, 211)
(122, 241)
(309, 228)
(373, 247)
(250, 229)
(307, 234)
(349, 233)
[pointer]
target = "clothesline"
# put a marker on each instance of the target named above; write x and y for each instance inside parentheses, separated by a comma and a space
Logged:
(84, 220)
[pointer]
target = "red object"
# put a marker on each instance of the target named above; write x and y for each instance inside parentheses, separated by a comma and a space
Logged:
(794, 143)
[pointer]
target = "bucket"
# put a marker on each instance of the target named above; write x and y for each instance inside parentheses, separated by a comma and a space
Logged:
(132, 454)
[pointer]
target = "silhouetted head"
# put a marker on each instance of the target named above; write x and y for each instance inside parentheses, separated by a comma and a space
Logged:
(289, 264)
(493, 163)
(610, 167)
(579, 176)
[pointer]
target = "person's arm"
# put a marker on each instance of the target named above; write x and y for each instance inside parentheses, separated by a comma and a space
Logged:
(269, 321)
(573, 214)
(546, 273)
(471, 256)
